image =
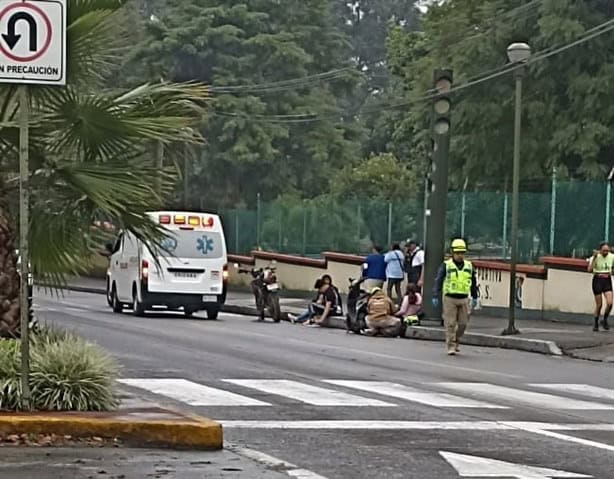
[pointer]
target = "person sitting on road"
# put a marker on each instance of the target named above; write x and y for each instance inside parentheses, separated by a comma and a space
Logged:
(331, 301)
(411, 307)
(315, 307)
(380, 315)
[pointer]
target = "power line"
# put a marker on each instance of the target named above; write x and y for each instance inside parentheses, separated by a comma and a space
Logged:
(309, 80)
(431, 94)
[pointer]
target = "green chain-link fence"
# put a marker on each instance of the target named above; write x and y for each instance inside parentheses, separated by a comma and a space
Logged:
(568, 221)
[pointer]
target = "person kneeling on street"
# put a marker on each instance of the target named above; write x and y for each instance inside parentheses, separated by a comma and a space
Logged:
(380, 315)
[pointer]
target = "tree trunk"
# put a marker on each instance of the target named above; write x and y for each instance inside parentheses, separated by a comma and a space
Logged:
(9, 274)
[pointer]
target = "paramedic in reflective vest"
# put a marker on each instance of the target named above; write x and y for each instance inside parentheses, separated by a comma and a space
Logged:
(456, 280)
(601, 265)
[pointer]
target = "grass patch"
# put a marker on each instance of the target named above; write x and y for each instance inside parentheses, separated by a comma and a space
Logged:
(67, 373)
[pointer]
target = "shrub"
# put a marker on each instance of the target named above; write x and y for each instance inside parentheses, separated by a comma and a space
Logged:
(67, 373)
(10, 387)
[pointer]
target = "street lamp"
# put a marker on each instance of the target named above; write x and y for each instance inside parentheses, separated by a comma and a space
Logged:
(518, 54)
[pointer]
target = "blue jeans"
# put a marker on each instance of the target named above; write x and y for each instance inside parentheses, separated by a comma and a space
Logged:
(310, 312)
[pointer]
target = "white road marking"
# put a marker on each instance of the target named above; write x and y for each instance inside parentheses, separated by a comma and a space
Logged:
(547, 401)
(401, 391)
(418, 425)
(476, 466)
(581, 389)
(308, 394)
(548, 432)
(273, 462)
(192, 393)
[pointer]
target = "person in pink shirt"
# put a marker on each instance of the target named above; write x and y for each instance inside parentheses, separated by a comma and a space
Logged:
(412, 302)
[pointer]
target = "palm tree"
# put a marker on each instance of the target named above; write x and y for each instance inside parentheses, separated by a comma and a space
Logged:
(91, 154)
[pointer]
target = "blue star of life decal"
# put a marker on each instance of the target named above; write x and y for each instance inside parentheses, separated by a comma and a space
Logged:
(204, 245)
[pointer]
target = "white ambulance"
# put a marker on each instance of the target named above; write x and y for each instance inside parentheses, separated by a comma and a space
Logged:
(190, 274)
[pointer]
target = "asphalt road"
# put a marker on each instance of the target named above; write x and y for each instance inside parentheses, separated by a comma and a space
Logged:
(343, 406)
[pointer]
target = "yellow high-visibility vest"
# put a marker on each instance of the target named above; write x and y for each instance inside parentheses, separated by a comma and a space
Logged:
(457, 281)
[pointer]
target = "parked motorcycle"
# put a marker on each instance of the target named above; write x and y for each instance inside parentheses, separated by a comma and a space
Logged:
(356, 317)
(266, 291)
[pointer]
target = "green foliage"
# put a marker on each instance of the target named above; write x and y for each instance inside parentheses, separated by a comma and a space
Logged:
(381, 177)
(251, 53)
(67, 374)
(90, 149)
(565, 121)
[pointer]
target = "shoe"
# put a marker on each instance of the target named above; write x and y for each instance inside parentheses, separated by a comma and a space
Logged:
(596, 327)
(451, 352)
(292, 318)
(457, 349)
(605, 325)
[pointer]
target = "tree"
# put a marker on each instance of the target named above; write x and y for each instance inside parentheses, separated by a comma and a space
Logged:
(89, 154)
(565, 124)
(276, 125)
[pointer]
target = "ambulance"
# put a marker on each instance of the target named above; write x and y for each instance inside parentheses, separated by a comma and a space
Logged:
(189, 273)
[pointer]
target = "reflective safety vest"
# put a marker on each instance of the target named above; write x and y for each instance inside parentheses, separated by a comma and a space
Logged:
(603, 265)
(457, 281)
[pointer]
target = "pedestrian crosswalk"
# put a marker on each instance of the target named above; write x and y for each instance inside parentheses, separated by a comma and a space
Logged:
(377, 394)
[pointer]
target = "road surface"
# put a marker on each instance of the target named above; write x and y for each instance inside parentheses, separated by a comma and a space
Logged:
(342, 406)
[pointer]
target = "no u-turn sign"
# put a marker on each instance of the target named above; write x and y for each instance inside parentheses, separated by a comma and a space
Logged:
(33, 41)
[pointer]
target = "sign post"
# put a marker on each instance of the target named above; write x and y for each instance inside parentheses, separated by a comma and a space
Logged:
(32, 52)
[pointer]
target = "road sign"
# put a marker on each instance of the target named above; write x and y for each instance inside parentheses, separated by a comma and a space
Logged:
(475, 466)
(33, 42)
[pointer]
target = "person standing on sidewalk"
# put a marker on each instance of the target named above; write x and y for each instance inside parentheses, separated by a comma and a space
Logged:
(394, 271)
(374, 269)
(601, 265)
(456, 283)
(414, 262)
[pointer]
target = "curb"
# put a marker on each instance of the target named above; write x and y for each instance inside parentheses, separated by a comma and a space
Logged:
(189, 433)
(488, 341)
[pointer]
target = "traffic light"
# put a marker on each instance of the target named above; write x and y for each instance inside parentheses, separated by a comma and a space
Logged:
(442, 103)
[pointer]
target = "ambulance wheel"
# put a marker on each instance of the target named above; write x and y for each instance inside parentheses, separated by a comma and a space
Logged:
(188, 312)
(117, 306)
(212, 313)
(137, 307)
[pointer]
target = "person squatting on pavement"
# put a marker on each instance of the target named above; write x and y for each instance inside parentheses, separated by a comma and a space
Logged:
(380, 315)
(601, 265)
(457, 281)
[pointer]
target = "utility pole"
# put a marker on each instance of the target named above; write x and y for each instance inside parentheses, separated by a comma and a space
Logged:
(186, 177)
(24, 247)
(438, 198)
(553, 211)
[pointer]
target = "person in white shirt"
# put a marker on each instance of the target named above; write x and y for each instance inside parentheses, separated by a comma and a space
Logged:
(414, 261)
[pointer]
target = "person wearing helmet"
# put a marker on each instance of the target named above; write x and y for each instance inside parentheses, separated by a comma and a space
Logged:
(380, 315)
(455, 283)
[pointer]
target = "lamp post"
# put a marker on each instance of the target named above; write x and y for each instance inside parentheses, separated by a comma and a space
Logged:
(518, 54)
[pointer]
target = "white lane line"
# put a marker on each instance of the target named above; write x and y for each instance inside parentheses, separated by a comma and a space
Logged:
(513, 395)
(368, 425)
(401, 391)
(192, 393)
(308, 394)
(417, 425)
(547, 432)
(274, 463)
(580, 389)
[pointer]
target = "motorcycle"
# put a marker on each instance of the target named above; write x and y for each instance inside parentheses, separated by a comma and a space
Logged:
(266, 291)
(356, 317)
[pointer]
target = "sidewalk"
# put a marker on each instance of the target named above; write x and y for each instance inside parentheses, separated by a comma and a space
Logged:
(545, 337)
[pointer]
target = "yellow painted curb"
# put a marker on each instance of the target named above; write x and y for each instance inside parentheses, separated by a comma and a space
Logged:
(191, 432)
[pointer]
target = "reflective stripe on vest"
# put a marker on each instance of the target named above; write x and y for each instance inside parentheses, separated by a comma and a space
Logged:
(603, 265)
(457, 281)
